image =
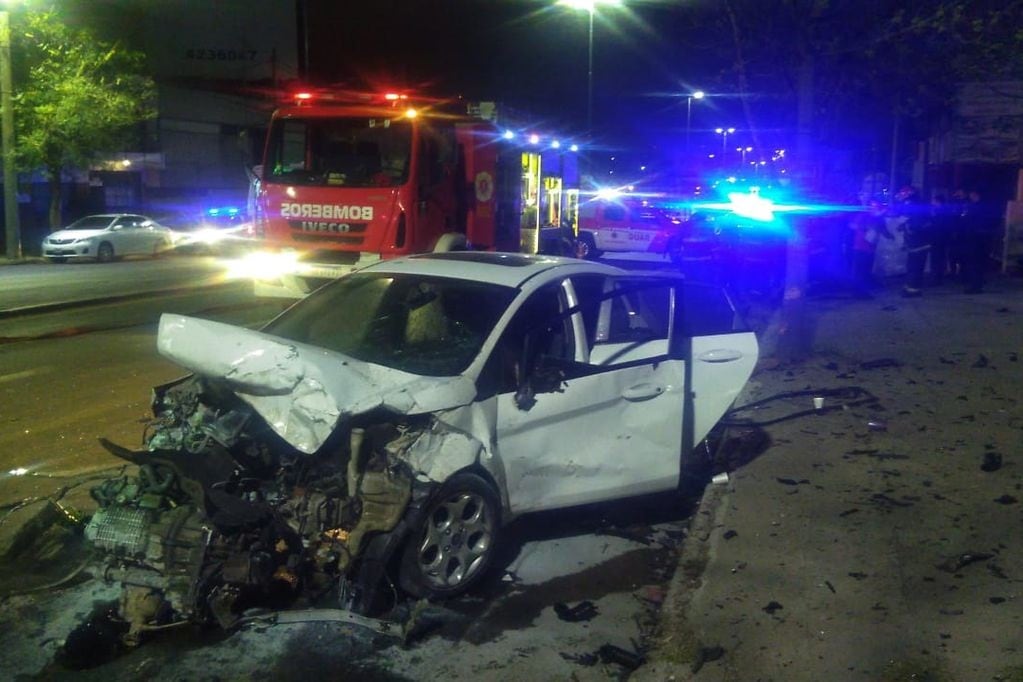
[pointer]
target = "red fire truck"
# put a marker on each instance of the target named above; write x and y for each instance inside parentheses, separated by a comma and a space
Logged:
(350, 179)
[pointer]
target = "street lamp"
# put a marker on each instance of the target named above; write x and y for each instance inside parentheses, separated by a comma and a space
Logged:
(699, 94)
(12, 229)
(589, 6)
(724, 132)
(743, 150)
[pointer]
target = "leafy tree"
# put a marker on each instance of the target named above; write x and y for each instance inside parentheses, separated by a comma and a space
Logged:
(76, 98)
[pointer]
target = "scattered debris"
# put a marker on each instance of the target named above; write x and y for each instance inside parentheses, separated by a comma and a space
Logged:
(857, 575)
(792, 481)
(830, 586)
(729, 534)
(953, 564)
(1006, 499)
(880, 363)
(772, 607)
(997, 600)
(992, 462)
(588, 660)
(885, 500)
(951, 612)
(877, 425)
(720, 479)
(946, 361)
(583, 611)
(981, 362)
(849, 512)
(609, 653)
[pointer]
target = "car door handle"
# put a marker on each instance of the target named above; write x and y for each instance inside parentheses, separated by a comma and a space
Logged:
(720, 355)
(642, 392)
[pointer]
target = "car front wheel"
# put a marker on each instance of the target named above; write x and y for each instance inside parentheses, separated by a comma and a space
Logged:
(105, 253)
(453, 543)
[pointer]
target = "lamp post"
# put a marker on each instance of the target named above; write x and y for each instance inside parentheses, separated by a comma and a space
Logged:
(589, 6)
(724, 132)
(699, 94)
(743, 150)
(12, 229)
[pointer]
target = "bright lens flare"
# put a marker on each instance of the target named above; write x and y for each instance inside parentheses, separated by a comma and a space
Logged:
(752, 206)
(264, 265)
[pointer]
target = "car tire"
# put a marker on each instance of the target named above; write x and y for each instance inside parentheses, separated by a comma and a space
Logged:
(105, 253)
(587, 247)
(452, 544)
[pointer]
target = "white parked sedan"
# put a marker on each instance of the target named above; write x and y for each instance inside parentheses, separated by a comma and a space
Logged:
(381, 431)
(106, 237)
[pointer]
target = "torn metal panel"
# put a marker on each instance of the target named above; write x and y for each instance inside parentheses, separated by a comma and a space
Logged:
(437, 453)
(301, 391)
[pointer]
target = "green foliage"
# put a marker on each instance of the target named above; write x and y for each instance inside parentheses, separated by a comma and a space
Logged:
(76, 97)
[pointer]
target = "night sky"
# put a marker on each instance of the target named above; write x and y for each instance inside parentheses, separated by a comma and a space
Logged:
(526, 54)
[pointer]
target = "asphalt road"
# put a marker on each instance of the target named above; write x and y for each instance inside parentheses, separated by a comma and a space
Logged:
(41, 283)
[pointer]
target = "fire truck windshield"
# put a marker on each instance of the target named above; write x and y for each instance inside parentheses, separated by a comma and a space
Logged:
(339, 152)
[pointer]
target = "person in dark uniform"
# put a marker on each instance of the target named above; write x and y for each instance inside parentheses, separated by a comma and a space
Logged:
(980, 228)
(917, 239)
(942, 226)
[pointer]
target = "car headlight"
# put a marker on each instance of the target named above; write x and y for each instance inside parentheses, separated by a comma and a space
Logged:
(263, 265)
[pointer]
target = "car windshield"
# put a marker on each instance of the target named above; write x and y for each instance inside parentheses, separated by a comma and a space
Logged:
(348, 152)
(92, 222)
(423, 325)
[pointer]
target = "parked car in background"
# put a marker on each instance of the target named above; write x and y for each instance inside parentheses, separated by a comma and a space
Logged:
(108, 236)
(375, 437)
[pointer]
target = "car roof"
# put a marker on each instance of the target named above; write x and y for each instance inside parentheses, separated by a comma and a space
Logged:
(506, 269)
(111, 216)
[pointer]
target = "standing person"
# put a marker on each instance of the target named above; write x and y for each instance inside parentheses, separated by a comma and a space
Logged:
(942, 226)
(917, 240)
(980, 225)
(868, 227)
(957, 221)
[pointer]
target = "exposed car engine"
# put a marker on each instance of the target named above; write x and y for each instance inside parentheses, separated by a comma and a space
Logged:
(223, 516)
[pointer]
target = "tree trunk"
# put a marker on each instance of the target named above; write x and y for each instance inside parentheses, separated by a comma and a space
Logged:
(55, 200)
(794, 340)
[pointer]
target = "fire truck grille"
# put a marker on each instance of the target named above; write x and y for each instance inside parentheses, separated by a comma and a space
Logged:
(332, 256)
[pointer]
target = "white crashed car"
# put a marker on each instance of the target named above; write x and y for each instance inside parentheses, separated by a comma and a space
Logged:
(107, 236)
(395, 419)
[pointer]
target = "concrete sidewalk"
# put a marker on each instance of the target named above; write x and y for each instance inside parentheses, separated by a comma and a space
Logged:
(874, 542)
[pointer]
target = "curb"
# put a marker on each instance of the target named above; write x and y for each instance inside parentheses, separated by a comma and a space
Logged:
(82, 303)
(677, 653)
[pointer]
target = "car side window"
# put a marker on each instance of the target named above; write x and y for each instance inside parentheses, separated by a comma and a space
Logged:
(707, 311)
(539, 333)
(625, 320)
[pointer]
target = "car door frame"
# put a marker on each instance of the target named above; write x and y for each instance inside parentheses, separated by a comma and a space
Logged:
(658, 377)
